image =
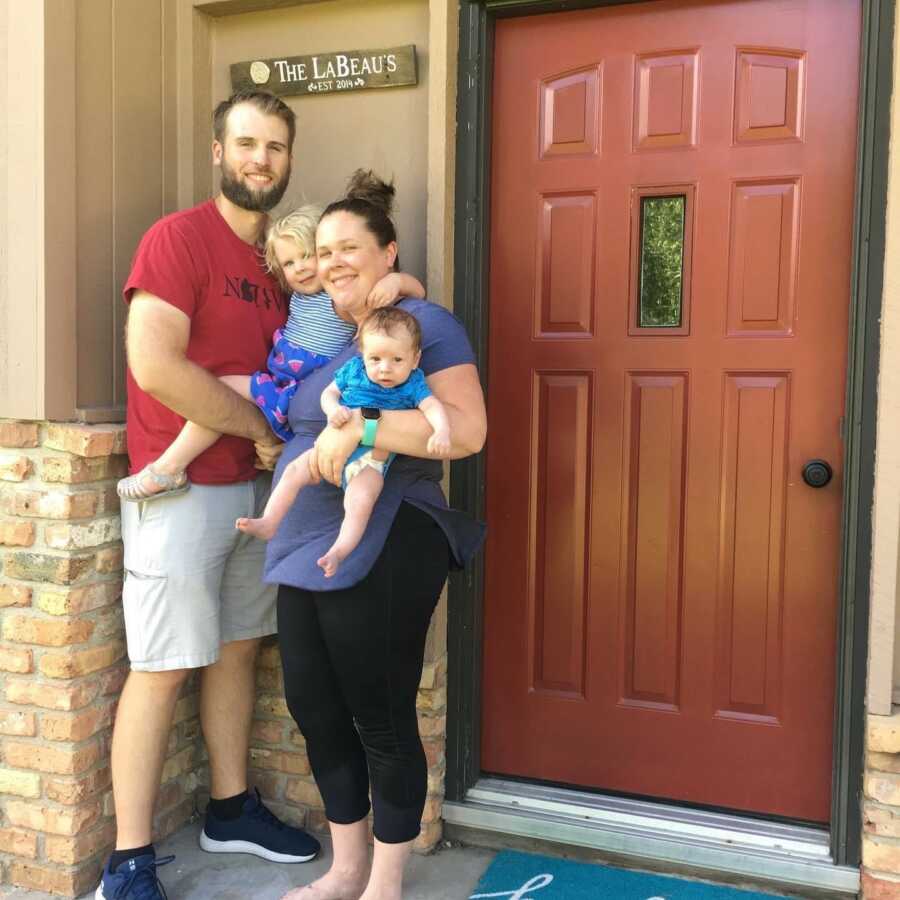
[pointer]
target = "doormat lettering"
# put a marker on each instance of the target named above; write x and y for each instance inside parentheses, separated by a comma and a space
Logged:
(524, 876)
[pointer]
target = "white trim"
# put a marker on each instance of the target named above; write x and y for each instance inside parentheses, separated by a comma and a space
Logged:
(781, 855)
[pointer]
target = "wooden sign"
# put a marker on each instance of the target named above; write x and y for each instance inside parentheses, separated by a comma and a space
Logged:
(349, 70)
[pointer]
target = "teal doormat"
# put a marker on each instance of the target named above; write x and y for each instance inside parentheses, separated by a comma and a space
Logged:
(523, 876)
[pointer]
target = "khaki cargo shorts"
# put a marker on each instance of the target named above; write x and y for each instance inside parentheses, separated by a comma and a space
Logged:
(193, 581)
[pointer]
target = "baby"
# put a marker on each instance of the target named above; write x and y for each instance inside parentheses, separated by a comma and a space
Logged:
(385, 375)
(312, 335)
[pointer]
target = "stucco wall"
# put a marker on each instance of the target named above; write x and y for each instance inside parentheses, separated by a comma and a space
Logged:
(386, 130)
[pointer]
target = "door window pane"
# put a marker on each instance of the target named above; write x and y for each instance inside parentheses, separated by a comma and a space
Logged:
(662, 262)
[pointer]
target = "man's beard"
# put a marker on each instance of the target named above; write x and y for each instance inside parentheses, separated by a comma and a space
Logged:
(246, 197)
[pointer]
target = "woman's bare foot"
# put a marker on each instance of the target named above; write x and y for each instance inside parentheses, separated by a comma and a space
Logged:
(257, 527)
(331, 886)
(330, 562)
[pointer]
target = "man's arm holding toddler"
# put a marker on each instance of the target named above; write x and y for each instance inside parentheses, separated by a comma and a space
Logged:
(156, 338)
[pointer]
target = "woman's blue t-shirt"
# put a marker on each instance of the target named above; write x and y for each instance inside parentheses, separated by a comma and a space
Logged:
(313, 521)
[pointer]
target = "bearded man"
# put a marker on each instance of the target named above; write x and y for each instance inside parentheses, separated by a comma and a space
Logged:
(201, 305)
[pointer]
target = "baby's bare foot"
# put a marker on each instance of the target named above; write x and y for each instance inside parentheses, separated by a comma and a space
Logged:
(331, 886)
(257, 527)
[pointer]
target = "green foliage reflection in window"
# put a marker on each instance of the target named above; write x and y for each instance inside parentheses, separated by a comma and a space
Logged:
(662, 258)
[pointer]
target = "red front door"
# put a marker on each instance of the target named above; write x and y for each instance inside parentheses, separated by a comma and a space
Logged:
(671, 223)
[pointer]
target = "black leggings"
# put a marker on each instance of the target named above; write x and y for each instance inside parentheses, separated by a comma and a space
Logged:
(352, 662)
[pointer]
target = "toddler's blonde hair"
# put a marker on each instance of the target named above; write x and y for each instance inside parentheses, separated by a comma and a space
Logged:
(298, 226)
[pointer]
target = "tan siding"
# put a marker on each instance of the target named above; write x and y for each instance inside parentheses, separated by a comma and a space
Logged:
(200, 109)
(170, 143)
(5, 333)
(442, 53)
(94, 142)
(59, 260)
(23, 385)
(127, 145)
(37, 377)
(187, 89)
(138, 117)
(443, 46)
(884, 658)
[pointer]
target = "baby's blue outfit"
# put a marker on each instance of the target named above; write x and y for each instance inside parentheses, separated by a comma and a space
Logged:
(312, 335)
(357, 389)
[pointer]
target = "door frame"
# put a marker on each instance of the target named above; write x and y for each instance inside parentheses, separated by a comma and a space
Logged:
(467, 484)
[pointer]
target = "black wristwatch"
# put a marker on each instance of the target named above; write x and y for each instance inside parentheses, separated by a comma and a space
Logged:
(370, 415)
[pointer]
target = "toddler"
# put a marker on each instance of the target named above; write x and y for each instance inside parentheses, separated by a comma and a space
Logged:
(312, 335)
(385, 375)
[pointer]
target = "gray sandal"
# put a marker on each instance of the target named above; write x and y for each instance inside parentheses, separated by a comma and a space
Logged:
(132, 488)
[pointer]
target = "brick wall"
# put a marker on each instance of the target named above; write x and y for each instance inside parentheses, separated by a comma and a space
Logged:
(62, 658)
(881, 809)
(62, 665)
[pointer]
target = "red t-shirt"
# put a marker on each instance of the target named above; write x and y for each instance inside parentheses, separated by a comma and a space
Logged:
(193, 260)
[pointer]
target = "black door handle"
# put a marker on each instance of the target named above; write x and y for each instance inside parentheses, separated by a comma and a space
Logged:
(817, 473)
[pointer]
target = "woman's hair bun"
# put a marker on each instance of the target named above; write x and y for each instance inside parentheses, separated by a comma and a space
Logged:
(370, 199)
(365, 185)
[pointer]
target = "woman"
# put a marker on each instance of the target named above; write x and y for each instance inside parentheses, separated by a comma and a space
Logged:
(352, 646)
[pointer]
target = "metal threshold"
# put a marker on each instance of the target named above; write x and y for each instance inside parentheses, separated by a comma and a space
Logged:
(787, 855)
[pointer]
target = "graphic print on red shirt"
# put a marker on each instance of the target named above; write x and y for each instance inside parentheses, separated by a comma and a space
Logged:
(193, 260)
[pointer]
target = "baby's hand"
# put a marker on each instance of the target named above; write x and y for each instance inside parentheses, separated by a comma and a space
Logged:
(340, 417)
(439, 444)
(385, 292)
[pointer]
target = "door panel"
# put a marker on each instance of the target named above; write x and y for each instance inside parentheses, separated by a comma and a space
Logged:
(672, 203)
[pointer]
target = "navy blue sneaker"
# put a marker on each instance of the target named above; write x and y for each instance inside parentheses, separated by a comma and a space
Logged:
(259, 832)
(134, 879)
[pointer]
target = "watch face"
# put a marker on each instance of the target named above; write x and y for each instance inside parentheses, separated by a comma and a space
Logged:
(371, 412)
